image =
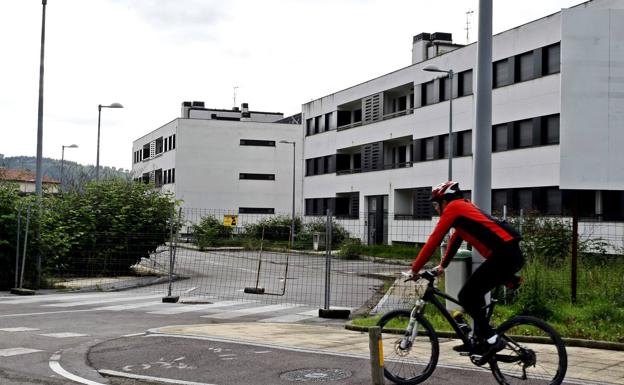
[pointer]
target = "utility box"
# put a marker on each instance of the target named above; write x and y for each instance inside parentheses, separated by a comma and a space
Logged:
(318, 241)
(456, 275)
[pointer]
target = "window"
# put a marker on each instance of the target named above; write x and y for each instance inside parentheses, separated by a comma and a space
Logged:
(344, 118)
(445, 89)
(146, 151)
(499, 137)
(550, 129)
(173, 138)
(401, 103)
(166, 143)
(427, 93)
(173, 175)
(552, 201)
(357, 115)
(499, 200)
(422, 204)
(465, 143)
(256, 210)
(317, 124)
(524, 197)
(328, 121)
(444, 144)
(319, 165)
(429, 149)
(257, 176)
(524, 67)
(501, 73)
(464, 83)
(309, 129)
(523, 135)
(551, 57)
(256, 142)
(159, 145)
(309, 167)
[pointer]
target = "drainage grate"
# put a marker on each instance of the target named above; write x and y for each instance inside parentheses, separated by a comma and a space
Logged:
(316, 375)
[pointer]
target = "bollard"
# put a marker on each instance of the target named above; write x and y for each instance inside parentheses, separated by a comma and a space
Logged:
(375, 344)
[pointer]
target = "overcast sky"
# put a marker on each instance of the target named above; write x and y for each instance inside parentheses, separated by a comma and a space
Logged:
(151, 55)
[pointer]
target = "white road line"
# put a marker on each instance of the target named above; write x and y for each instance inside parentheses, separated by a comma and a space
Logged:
(49, 298)
(249, 311)
(107, 300)
(58, 369)
(194, 308)
(16, 351)
(129, 306)
(12, 330)
(133, 335)
(288, 318)
(63, 335)
(44, 313)
(148, 378)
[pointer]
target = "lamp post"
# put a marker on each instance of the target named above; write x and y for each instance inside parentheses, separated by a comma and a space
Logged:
(449, 73)
(63, 159)
(97, 161)
(292, 223)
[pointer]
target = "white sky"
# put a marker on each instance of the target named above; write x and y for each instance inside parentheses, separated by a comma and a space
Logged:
(151, 55)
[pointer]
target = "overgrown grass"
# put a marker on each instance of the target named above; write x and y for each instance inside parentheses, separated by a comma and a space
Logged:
(598, 313)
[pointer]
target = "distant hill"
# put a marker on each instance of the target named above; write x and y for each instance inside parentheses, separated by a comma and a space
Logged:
(73, 173)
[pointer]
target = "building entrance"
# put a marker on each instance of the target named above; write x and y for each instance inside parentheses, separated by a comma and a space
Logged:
(377, 219)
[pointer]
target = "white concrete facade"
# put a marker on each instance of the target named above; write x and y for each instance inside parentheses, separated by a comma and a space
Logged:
(560, 113)
(224, 165)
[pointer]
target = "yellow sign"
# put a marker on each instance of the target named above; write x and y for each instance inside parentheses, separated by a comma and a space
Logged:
(230, 220)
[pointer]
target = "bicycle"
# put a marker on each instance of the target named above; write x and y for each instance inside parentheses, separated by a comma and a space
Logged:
(534, 351)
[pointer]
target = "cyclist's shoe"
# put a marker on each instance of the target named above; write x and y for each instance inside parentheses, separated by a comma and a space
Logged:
(463, 348)
(486, 350)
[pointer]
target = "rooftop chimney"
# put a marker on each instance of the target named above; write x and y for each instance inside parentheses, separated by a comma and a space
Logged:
(245, 114)
(426, 46)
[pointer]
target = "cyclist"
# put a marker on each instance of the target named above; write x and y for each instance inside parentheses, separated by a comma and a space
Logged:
(496, 241)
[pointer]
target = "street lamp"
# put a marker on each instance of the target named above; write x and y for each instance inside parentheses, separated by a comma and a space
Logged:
(432, 68)
(97, 161)
(292, 223)
(63, 159)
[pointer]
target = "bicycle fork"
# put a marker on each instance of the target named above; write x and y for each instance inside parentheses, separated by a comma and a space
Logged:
(412, 328)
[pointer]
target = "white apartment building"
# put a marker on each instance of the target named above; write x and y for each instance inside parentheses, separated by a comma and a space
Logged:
(373, 151)
(226, 160)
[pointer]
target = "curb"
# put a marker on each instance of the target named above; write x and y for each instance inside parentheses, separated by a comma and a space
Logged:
(575, 342)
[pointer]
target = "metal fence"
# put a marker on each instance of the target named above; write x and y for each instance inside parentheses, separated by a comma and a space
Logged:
(330, 262)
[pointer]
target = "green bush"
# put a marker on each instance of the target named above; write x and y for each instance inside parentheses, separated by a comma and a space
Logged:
(339, 234)
(9, 201)
(351, 248)
(210, 231)
(275, 228)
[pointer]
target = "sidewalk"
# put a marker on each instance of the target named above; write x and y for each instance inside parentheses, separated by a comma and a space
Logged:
(584, 365)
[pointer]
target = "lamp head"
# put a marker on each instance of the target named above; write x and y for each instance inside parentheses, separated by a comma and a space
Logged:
(432, 68)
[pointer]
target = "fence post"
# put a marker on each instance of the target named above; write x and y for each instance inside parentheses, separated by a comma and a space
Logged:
(326, 312)
(21, 283)
(573, 267)
(174, 224)
(17, 246)
(375, 345)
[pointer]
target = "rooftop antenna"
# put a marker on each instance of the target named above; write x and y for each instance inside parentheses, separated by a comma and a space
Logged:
(468, 15)
(235, 87)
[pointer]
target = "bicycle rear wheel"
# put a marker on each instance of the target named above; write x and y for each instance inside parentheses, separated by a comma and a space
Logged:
(535, 354)
(411, 364)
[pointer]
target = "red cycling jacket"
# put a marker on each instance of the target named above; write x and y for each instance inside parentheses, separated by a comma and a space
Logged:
(471, 224)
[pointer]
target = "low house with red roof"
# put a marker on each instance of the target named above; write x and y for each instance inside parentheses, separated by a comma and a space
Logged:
(26, 181)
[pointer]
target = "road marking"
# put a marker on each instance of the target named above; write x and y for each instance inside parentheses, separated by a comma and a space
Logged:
(249, 311)
(44, 313)
(107, 300)
(133, 335)
(16, 351)
(58, 369)
(288, 318)
(192, 308)
(190, 290)
(12, 330)
(48, 298)
(128, 306)
(148, 378)
(63, 335)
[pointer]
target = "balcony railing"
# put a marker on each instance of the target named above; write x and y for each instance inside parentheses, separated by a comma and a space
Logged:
(390, 166)
(347, 126)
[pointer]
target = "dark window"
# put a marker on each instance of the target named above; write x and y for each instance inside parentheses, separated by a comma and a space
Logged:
(357, 161)
(317, 124)
(328, 121)
(464, 83)
(158, 177)
(465, 143)
(552, 200)
(445, 89)
(444, 146)
(166, 144)
(499, 137)
(145, 177)
(427, 93)
(613, 205)
(257, 176)
(524, 67)
(146, 151)
(256, 210)
(524, 199)
(550, 130)
(402, 155)
(422, 205)
(309, 167)
(551, 59)
(501, 73)
(343, 162)
(309, 128)
(357, 115)
(411, 99)
(429, 154)
(159, 145)
(523, 135)
(173, 146)
(319, 165)
(173, 175)
(326, 164)
(344, 118)
(499, 200)
(255, 142)
(401, 103)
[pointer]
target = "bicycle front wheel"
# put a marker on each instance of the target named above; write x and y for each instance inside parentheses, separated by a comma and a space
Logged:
(407, 362)
(535, 354)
